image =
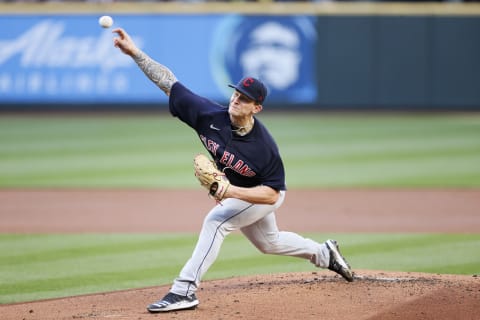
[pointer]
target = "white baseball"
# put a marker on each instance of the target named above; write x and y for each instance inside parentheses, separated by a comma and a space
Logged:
(105, 21)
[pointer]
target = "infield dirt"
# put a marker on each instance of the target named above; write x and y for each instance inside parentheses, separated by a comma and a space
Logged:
(318, 294)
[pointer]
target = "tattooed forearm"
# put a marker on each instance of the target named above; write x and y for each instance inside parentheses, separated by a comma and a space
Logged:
(158, 73)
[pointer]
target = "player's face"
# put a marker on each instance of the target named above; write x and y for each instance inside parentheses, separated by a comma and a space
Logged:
(242, 106)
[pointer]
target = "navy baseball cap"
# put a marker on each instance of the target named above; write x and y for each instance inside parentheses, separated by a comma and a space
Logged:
(252, 88)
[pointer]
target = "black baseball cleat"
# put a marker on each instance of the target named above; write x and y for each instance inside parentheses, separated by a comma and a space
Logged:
(337, 262)
(173, 302)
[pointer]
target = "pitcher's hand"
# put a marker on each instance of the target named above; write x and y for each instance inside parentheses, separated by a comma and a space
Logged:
(124, 42)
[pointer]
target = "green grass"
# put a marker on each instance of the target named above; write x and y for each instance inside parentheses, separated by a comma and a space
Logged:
(143, 151)
(319, 150)
(47, 266)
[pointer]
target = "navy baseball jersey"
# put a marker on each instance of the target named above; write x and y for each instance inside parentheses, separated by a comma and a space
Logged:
(247, 161)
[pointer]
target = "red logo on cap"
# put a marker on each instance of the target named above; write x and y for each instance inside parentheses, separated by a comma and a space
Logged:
(247, 82)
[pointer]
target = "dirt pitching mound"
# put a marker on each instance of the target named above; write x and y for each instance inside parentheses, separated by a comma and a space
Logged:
(316, 295)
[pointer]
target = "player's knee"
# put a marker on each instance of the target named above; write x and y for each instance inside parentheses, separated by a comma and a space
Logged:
(268, 248)
(269, 245)
(262, 247)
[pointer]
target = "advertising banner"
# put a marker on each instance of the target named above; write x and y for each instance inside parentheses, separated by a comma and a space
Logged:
(71, 59)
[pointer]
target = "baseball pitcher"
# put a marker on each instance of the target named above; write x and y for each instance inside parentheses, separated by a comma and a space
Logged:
(244, 173)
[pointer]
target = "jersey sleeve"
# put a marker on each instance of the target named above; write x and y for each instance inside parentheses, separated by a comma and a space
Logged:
(274, 175)
(188, 106)
(273, 171)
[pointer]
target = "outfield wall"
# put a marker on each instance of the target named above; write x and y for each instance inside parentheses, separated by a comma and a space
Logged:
(312, 55)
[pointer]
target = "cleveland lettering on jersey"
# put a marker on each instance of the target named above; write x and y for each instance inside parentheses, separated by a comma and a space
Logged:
(227, 158)
(240, 167)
